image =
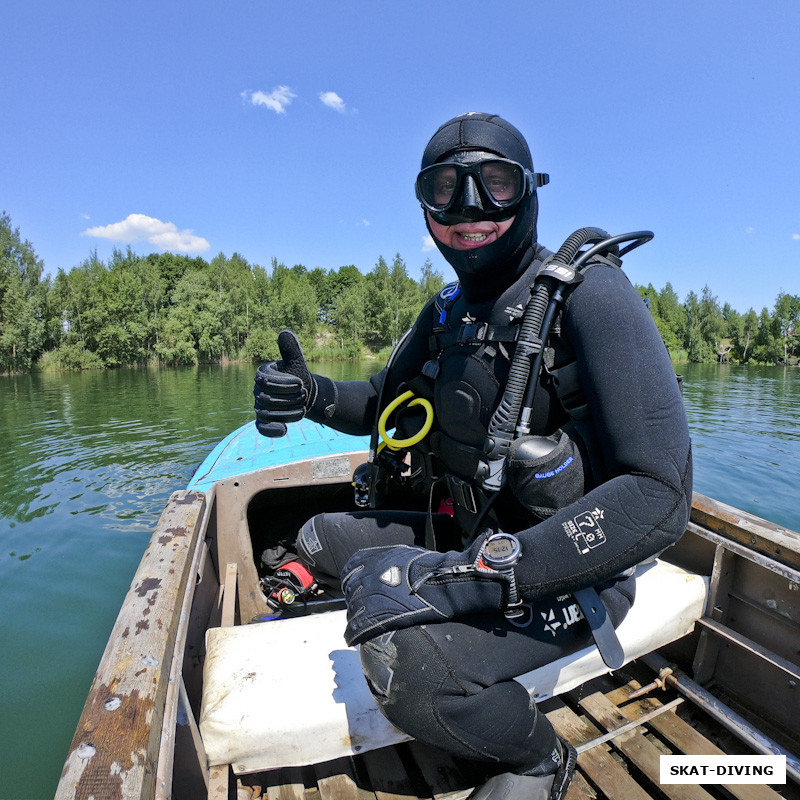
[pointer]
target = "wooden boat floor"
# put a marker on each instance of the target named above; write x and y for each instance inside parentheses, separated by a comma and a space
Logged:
(624, 768)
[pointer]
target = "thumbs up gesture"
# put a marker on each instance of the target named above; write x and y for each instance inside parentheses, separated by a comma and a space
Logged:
(284, 389)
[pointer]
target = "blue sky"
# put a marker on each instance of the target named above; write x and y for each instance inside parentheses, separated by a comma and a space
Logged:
(294, 130)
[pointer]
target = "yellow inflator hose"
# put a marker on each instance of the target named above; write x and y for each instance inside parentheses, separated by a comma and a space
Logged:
(399, 444)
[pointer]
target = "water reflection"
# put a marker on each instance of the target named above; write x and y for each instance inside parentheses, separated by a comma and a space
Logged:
(93, 443)
(113, 444)
(745, 431)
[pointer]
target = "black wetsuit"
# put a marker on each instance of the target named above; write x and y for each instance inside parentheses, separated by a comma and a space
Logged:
(451, 684)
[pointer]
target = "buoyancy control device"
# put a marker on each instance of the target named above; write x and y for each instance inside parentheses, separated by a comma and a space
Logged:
(547, 469)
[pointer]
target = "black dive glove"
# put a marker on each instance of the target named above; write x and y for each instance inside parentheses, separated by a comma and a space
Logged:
(284, 390)
(399, 586)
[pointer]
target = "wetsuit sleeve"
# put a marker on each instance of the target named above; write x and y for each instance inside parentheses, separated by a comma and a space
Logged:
(355, 403)
(642, 436)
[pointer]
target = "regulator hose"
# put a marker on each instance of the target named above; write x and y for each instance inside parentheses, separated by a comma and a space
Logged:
(546, 295)
(573, 243)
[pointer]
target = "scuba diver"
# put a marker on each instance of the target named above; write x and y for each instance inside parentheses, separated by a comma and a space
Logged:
(549, 450)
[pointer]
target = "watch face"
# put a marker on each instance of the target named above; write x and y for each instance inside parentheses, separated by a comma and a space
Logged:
(501, 549)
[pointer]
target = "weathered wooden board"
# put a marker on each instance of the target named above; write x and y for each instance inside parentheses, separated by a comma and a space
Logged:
(639, 750)
(690, 742)
(115, 748)
(600, 767)
(291, 787)
(336, 781)
(765, 537)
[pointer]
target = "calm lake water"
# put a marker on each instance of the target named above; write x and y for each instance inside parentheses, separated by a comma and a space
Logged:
(88, 460)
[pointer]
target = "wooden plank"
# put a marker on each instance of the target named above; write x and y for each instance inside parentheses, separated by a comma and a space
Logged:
(233, 541)
(289, 785)
(247, 791)
(579, 789)
(229, 597)
(220, 778)
(758, 534)
(115, 748)
(692, 743)
(634, 746)
(204, 597)
(219, 782)
(337, 781)
(340, 787)
(602, 769)
(215, 615)
(747, 644)
(708, 647)
(190, 771)
(675, 730)
(607, 737)
(178, 766)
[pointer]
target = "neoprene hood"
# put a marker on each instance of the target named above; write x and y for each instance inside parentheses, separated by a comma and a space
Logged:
(500, 263)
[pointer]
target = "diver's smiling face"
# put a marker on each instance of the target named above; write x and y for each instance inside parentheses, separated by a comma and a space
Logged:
(468, 235)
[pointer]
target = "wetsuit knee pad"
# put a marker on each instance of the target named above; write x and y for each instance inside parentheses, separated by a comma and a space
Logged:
(409, 679)
(378, 661)
(421, 693)
(405, 674)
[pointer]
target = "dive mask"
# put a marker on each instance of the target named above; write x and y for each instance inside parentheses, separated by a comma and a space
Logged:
(475, 185)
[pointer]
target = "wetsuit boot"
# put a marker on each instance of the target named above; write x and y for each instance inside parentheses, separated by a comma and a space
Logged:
(509, 786)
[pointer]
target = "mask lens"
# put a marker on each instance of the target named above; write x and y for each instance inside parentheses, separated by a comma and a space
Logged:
(503, 181)
(438, 184)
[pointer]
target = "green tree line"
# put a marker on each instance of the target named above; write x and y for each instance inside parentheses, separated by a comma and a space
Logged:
(170, 309)
(702, 330)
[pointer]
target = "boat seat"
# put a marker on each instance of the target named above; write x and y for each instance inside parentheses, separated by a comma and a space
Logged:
(291, 692)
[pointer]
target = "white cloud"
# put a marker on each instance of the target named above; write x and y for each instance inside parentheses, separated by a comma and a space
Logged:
(428, 244)
(277, 100)
(796, 236)
(332, 100)
(366, 223)
(141, 228)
